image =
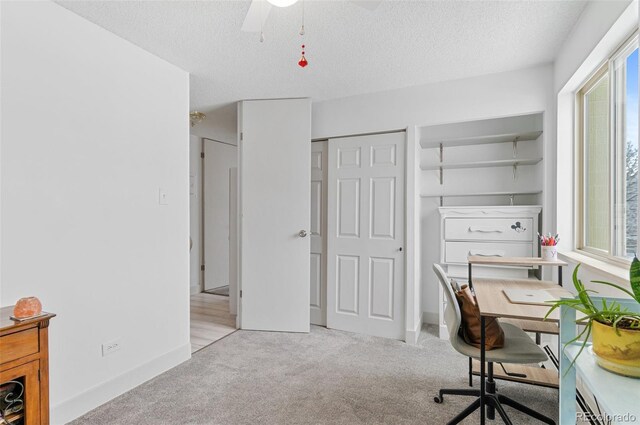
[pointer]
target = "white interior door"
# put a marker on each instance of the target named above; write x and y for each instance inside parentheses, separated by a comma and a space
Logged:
(233, 241)
(195, 214)
(274, 173)
(219, 158)
(365, 245)
(318, 229)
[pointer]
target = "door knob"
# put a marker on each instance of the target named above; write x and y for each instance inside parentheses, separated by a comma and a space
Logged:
(302, 233)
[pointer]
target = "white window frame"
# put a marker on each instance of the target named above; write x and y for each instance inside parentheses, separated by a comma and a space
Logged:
(607, 68)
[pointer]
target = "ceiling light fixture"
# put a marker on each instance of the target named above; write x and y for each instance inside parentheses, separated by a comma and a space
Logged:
(302, 27)
(196, 117)
(282, 3)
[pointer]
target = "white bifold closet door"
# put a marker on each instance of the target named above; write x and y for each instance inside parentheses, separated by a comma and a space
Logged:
(365, 234)
(274, 214)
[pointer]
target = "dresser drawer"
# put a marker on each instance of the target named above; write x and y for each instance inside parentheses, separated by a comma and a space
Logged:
(18, 344)
(489, 229)
(457, 252)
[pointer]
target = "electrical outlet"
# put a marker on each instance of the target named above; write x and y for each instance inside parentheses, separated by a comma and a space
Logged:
(111, 347)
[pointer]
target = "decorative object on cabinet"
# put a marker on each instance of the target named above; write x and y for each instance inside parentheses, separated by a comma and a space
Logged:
(24, 368)
(615, 327)
(495, 231)
(26, 308)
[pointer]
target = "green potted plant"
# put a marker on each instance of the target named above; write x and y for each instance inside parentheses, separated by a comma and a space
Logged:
(615, 330)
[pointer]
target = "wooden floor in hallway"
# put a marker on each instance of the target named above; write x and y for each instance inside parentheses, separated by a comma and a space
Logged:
(210, 319)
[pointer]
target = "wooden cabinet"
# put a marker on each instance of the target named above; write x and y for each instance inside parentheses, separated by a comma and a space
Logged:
(24, 369)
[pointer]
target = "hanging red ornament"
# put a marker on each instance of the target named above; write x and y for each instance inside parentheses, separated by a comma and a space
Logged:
(303, 61)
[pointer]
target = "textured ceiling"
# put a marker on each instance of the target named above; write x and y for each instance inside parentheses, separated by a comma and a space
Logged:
(351, 50)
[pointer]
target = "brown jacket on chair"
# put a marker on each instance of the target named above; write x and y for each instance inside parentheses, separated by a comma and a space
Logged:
(470, 329)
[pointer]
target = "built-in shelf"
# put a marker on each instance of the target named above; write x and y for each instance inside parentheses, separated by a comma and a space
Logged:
(481, 140)
(504, 130)
(462, 194)
(481, 164)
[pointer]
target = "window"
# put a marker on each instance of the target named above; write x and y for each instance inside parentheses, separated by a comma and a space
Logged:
(608, 157)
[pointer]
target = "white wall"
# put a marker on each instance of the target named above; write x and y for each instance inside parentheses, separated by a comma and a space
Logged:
(602, 27)
(195, 212)
(595, 21)
(220, 123)
(496, 95)
(92, 127)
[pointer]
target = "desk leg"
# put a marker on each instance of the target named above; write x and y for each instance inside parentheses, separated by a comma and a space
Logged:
(560, 275)
(482, 359)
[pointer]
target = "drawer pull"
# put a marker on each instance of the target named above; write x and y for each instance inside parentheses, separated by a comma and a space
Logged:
(484, 230)
(485, 254)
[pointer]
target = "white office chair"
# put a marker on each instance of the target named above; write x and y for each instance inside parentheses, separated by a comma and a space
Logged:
(518, 348)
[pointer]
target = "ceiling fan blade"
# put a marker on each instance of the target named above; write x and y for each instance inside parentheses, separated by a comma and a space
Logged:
(256, 16)
(368, 4)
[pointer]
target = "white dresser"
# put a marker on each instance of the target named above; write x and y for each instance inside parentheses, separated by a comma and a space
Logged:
(503, 231)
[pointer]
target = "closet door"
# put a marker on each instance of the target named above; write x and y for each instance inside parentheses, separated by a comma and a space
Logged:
(318, 232)
(365, 246)
(274, 208)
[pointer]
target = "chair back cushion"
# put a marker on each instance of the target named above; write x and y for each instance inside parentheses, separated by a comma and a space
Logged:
(452, 315)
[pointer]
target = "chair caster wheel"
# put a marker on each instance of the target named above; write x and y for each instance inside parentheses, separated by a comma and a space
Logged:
(437, 399)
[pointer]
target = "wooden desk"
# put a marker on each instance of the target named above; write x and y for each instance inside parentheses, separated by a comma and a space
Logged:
(492, 302)
(515, 261)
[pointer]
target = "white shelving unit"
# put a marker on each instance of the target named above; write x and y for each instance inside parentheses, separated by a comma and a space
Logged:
(488, 171)
(467, 194)
(458, 158)
(521, 136)
(481, 164)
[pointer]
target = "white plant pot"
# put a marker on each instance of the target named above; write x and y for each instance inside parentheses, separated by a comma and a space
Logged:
(549, 253)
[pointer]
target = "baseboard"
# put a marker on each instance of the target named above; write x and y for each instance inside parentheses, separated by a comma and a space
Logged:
(412, 335)
(193, 290)
(80, 404)
(430, 318)
(443, 332)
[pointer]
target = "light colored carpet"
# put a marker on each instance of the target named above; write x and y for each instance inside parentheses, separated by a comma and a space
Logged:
(324, 377)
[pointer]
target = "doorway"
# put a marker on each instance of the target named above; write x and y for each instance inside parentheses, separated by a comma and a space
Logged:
(213, 165)
(220, 162)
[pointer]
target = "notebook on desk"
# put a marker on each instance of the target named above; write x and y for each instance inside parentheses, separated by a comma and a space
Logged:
(528, 296)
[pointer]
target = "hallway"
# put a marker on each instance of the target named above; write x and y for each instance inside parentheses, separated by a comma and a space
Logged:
(210, 320)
